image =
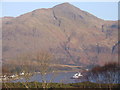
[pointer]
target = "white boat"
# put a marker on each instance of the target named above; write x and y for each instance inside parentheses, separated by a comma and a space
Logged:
(77, 75)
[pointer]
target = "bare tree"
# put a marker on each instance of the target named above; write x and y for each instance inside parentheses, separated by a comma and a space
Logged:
(109, 73)
(46, 64)
(25, 63)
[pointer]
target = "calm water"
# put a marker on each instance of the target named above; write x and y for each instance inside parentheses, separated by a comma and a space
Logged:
(61, 77)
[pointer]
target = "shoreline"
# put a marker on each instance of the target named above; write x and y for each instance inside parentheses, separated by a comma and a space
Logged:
(31, 74)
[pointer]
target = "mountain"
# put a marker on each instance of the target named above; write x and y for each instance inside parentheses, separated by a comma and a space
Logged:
(72, 35)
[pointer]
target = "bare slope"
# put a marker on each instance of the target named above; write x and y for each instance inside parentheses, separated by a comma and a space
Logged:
(74, 36)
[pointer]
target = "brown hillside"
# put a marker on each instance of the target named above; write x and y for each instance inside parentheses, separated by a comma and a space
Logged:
(74, 36)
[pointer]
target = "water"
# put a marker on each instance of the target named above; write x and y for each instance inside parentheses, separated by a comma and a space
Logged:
(61, 77)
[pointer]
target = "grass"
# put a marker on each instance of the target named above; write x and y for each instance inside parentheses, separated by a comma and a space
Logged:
(59, 85)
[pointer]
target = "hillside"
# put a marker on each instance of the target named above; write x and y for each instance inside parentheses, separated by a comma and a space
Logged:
(72, 35)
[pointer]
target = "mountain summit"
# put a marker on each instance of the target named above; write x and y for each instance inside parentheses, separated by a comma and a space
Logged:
(74, 36)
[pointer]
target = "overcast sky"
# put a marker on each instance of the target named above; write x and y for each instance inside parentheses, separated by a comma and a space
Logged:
(103, 10)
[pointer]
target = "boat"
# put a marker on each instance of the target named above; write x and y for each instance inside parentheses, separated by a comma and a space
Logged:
(77, 75)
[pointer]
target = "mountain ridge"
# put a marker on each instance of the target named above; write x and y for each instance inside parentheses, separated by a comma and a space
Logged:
(74, 36)
(62, 4)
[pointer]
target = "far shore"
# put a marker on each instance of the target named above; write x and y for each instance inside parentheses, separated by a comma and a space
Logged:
(30, 74)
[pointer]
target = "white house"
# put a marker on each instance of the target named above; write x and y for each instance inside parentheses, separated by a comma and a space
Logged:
(12, 76)
(22, 73)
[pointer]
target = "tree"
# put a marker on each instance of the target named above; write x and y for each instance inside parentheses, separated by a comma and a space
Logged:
(109, 73)
(25, 63)
(45, 61)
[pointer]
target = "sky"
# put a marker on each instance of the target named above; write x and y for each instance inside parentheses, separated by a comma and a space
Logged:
(103, 10)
